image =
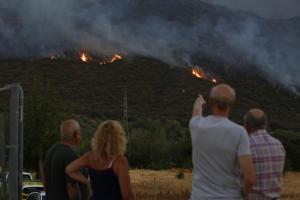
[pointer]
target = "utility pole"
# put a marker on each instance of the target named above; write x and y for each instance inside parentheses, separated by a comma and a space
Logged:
(125, 117)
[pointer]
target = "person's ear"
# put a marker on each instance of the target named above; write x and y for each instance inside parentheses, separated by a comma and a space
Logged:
(75, 135)
(247, 127)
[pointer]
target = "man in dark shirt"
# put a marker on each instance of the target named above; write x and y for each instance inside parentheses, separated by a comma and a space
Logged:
(57, 184)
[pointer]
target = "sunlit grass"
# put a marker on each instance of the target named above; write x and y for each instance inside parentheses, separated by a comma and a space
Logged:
(163, 185)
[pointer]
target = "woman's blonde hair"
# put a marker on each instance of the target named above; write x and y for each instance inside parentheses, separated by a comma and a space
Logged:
(109, 139)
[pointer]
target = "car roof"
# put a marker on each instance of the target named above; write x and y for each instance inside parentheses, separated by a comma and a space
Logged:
(32, 184)
(23, 173)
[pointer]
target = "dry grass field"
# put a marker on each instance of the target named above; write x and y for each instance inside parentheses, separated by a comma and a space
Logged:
(164, 185)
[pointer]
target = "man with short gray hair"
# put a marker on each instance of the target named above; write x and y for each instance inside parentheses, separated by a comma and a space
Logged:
(221, 149)
(57, 184)
(268, 157)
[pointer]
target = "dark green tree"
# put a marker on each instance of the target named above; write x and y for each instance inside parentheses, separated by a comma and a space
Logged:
(291, 143)
(43, 112)
(159, 144)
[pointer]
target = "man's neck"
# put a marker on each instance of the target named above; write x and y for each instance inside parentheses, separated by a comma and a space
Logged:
(68, 143)
(220, 113)
(257, 130)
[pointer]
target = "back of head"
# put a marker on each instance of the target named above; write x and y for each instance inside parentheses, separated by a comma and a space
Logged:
(255, 119)
(222, 97)
(69, 130)
(109, 139)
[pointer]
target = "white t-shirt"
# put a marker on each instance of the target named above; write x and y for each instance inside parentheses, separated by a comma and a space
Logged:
(217, 143)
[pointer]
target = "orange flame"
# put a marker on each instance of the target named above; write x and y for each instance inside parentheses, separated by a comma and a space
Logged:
(114, 58)
(83, 57)
(200, 74)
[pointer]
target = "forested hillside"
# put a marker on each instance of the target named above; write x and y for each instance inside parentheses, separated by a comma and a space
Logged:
(155, 90)
(160, 100)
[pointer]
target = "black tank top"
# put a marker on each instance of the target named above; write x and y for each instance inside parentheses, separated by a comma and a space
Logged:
(105, 184)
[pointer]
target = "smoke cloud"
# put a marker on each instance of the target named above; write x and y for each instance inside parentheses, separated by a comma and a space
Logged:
(266, 8)
(172, 31)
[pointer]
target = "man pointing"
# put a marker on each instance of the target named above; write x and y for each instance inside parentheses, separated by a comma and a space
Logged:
(221, 150)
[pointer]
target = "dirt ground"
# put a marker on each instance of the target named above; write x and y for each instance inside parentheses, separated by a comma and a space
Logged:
(164, 185)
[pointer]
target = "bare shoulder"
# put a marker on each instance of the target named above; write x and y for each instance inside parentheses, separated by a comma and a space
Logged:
(121, 160)
(87, 157)
(120, 164)
(88, 154)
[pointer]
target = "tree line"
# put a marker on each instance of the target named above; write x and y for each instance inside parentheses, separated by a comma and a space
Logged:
(152, 143)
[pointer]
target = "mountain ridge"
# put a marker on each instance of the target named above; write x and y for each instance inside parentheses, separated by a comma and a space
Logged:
(155, 90)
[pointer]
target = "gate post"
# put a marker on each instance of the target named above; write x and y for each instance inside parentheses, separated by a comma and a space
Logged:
(2, 159)
(15, 147)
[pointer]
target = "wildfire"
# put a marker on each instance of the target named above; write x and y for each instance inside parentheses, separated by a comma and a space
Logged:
(83, 57)
(114, 58)
(200, 74)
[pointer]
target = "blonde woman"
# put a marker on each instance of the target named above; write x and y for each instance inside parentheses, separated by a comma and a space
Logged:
(107, 165)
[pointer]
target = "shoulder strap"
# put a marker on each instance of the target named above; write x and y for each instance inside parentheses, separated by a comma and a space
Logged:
(111, 163)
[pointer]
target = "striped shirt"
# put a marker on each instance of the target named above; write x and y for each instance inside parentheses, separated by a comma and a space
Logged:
(268, 158)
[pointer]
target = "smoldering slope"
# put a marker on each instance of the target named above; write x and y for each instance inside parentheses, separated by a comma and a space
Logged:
(171, 31)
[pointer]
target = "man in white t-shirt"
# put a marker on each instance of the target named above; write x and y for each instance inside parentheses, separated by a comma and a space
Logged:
(221, 150)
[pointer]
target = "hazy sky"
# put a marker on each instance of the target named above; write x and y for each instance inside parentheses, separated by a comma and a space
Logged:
(264, 8)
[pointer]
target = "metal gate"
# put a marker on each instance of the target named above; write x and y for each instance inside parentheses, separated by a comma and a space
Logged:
(11, 145)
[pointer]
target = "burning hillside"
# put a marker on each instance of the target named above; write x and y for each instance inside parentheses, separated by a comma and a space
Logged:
(201, 74)
(196, 71)
(85, 57)
(174, 32)
(155, 90)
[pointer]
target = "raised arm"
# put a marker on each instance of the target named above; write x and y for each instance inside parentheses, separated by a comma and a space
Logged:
(73, 169)
(124, 178)
(198, 106)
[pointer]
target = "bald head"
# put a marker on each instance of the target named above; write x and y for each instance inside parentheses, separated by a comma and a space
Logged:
(69, 129)
(256, 119)
(222, 96)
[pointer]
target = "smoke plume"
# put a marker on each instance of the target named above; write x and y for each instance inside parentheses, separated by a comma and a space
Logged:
(172, 31)
(266, 8)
